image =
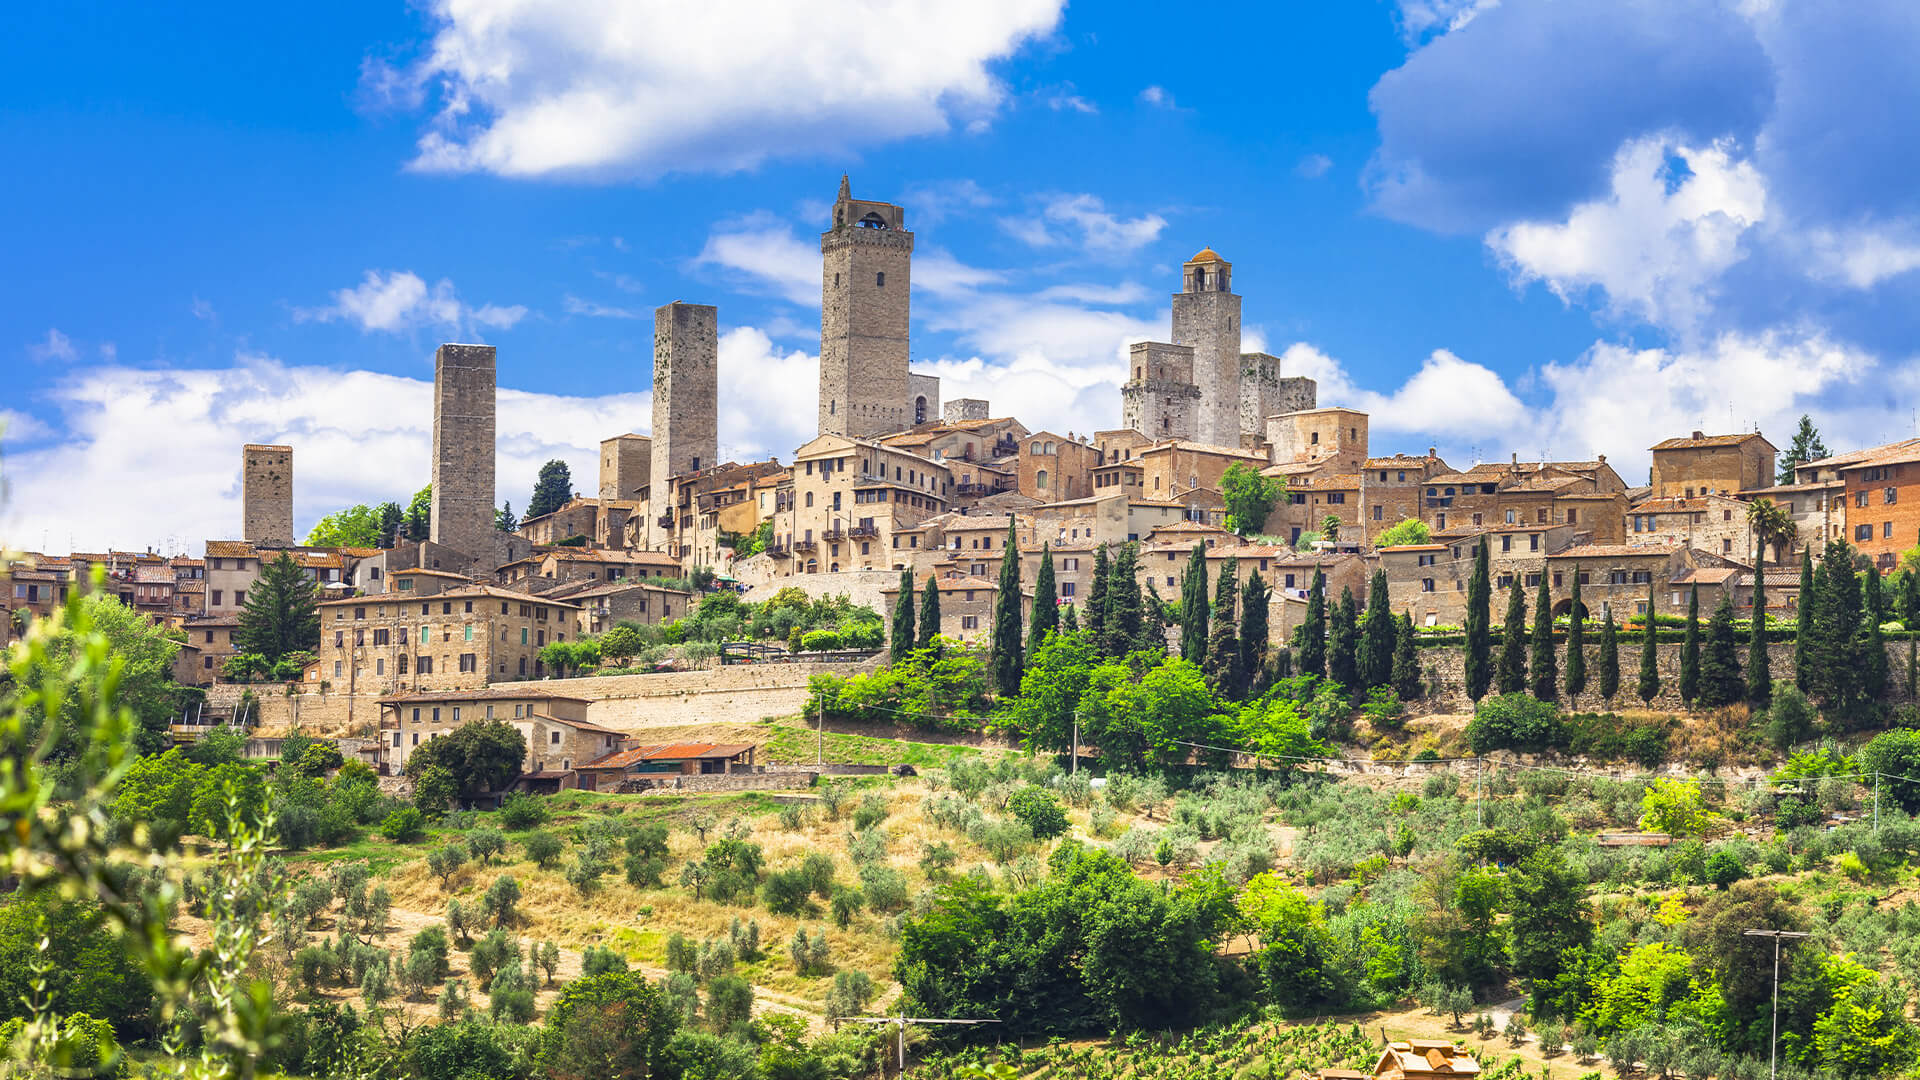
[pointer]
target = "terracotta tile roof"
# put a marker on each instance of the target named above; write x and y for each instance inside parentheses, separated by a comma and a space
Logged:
(1857, 457)
(1701, 442)
(1608, 496)
(1335, 480)
(1614, 551)
(489, 693)
(229, 549)
(182, 560)
(668, 752)
(419, 571)
(1706, 575)
(1201, 448)
(578, 725)
(1413, 547)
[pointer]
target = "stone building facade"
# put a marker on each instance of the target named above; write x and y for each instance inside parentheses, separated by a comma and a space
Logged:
(1334, 437)
(266, 494)
(460, 639)
(1702, 464)
(463, 449)
(554, 726)
(850, 497)
(1206, 318)
(962, 409)
(923, 398)
(866, 273)
(1714, 523)
(626, 461)
(1055, 467)
(1161, 400)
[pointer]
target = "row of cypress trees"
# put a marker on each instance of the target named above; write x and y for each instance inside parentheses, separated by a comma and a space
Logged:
(1358, 650)
(1840, 653)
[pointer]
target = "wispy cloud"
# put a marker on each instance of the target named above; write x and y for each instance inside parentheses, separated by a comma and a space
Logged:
(574, 305)
(57, 347)
(400, 300)
(1313, 166)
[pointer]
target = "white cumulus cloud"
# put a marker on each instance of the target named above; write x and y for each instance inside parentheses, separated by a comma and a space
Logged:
(401, 300)
(621, 88)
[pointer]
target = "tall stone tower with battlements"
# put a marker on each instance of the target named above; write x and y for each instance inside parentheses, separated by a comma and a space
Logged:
(1206, 317)
(463, 449)
(866, 272)
(266, 494)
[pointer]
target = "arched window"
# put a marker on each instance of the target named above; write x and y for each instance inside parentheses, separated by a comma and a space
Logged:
(813, 566)
(834, 569)
(809, 498)
(1048, 450)
(1040, 479)
(920, 409)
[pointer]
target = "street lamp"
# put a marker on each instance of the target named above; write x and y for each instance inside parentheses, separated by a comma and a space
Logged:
(1773, 1047)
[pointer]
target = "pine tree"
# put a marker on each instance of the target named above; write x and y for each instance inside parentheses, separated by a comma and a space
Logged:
(1576, 641)
(1513, 643)
(1609, 659)
(1193, 607)
(1406, 667)
(391, 518)
(1046, 601)
(1759, 664)
(1343, 643)
(1223, 641)
(929, 627)
(1254, 598)
(1806, 446)
(1546, 668)
(1097, 599)
(1720, 681)
(1122, 624)
(901, 642)
(281, 614)
(1834, 654)
(1377, 639)
(1649, 687)
(1690, 650)
(553, 490)
(1803, 632)
(503, 518)
(1310, 640)
(1007, 657)
(1479, 659)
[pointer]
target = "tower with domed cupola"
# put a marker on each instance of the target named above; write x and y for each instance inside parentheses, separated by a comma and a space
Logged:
(1206, 318)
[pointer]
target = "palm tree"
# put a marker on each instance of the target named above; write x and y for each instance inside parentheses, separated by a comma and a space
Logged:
(1771, 525)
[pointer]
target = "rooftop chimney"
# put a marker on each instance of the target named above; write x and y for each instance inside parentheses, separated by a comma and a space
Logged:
(1699, 435)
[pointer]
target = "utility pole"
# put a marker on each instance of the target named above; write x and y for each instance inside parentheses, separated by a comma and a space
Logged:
(1479, 820)
(1876, 800)
(1073, 761)
(900, 1023)
(820, 724)
(1773, 1048)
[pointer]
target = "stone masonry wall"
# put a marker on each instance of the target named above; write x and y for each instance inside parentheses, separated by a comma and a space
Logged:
(866, 277)
(266, 493)
(463, 448)
(1444, 670)
(686, 374)
(1210, 322)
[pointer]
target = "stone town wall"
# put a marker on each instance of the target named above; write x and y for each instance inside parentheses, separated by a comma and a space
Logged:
(1444, 670)
(677, 783)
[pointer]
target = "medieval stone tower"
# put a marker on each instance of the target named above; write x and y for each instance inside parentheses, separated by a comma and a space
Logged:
(1206, 316)
(686, 390)
(1265, 392)
(625, 463)
(1160, 399)
(463, 449)
(266, 494)
(866, 271)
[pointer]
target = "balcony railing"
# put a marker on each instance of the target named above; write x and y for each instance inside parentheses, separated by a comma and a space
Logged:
(859, 531)
(804, 543)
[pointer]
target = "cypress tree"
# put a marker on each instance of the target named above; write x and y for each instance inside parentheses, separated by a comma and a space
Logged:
(1253, 625)
(1876, 596)
(1343, 643)
(1153, 621)
(1122, 623)
(929, 614)
(1834, 653)
(1576, 641)
(281, 613)
(1910, 600)
(1007, 658)
(1046, 601)
(1873, 668)
(391, 517)
(1310, 640)
(1406, 667)
(1193, 606)
(1070, 619)
(1759, 665)
(902, 639)
(1513, 643)
(1096, 620)
(1223, 642)
(1479, 659)
(1649, 687)
(1377, 639)
(1690, 650)
(1803, 633)
(1609, 659)
(1720, 681)
(1546, 668)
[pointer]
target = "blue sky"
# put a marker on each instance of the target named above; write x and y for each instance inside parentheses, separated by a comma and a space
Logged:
(1559, 226)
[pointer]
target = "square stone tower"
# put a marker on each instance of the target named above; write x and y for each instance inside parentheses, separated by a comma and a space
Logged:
(1265, 392)
(266, 494)
(1206, 316)
(866, 271)
(625, 463)
(463, 449)
(686, 390)
(923, 398)
(1159, 399)
(963, 409)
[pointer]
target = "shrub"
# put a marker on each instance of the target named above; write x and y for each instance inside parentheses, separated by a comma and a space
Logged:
(1384, 710)
(644, 871)
(1005, 840)
(872, 810)
(585, 871)
(649, 840)
(681, 953)
(846, 904)
(788, 892)
(1513, 722)
(543, 849)
(820, 641)
(1039, 810)
(521, 811)
(600, 960)
(404, 826)
(818, 868)
(885, 888)
(500, 899)
(850, 994)
(1724, 868)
